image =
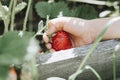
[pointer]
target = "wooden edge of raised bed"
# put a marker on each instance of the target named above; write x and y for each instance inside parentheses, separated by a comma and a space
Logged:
(64, 63)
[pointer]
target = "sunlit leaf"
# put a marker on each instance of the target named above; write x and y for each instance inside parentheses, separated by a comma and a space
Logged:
(3, 11)
(20, 7)
(105, 13)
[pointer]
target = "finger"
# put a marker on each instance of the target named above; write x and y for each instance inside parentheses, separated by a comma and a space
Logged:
(51, 28)
(49, 46)
(52, 50)
(45, 38)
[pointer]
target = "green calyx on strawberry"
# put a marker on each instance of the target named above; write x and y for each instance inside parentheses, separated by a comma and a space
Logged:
(61, 41)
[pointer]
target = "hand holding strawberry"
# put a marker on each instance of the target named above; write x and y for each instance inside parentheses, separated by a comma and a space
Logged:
(80, 31)
(68, 34)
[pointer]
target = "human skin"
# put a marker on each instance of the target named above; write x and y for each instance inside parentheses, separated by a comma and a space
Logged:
(81, 31)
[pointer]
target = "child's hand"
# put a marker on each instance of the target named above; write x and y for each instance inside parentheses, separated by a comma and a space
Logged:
(81, 32)
(78, 30)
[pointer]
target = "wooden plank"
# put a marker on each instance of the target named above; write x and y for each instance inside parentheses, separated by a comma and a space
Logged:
(64, 63)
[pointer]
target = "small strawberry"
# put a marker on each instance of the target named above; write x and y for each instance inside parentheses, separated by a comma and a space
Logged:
(61, 41)
(12, 75)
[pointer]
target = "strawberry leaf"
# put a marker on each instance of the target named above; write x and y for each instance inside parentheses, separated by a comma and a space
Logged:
(43, 9)
(84, 11)
(59, 7)
(53, 9)
(13, 48)
(3, 72)
(20, 7)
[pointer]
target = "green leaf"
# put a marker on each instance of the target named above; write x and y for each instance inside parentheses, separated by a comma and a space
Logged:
(3, 72)
(13, 47)
(53, 9)
(3, 11)
(20, 7)
(73, 12)
(59, 7)
(85, 11)
(43, 9)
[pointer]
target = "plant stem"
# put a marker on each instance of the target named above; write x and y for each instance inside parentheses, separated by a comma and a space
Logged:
(13, 15)
(30, 17)
(10, 5)
(94, 71)
(114, 65)
(34, 69)
(6, 25)
(7, 19)
(115, 61)
(3, 18)
(26, 15)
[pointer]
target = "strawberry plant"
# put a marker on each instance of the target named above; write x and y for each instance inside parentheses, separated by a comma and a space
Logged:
(16, 47)
(12, 50)
(6, 14)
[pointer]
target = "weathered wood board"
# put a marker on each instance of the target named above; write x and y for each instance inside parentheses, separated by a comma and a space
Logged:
(64, 63)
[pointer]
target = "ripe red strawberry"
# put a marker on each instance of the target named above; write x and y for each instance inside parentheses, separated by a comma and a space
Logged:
(12, 75)
(61, 41)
